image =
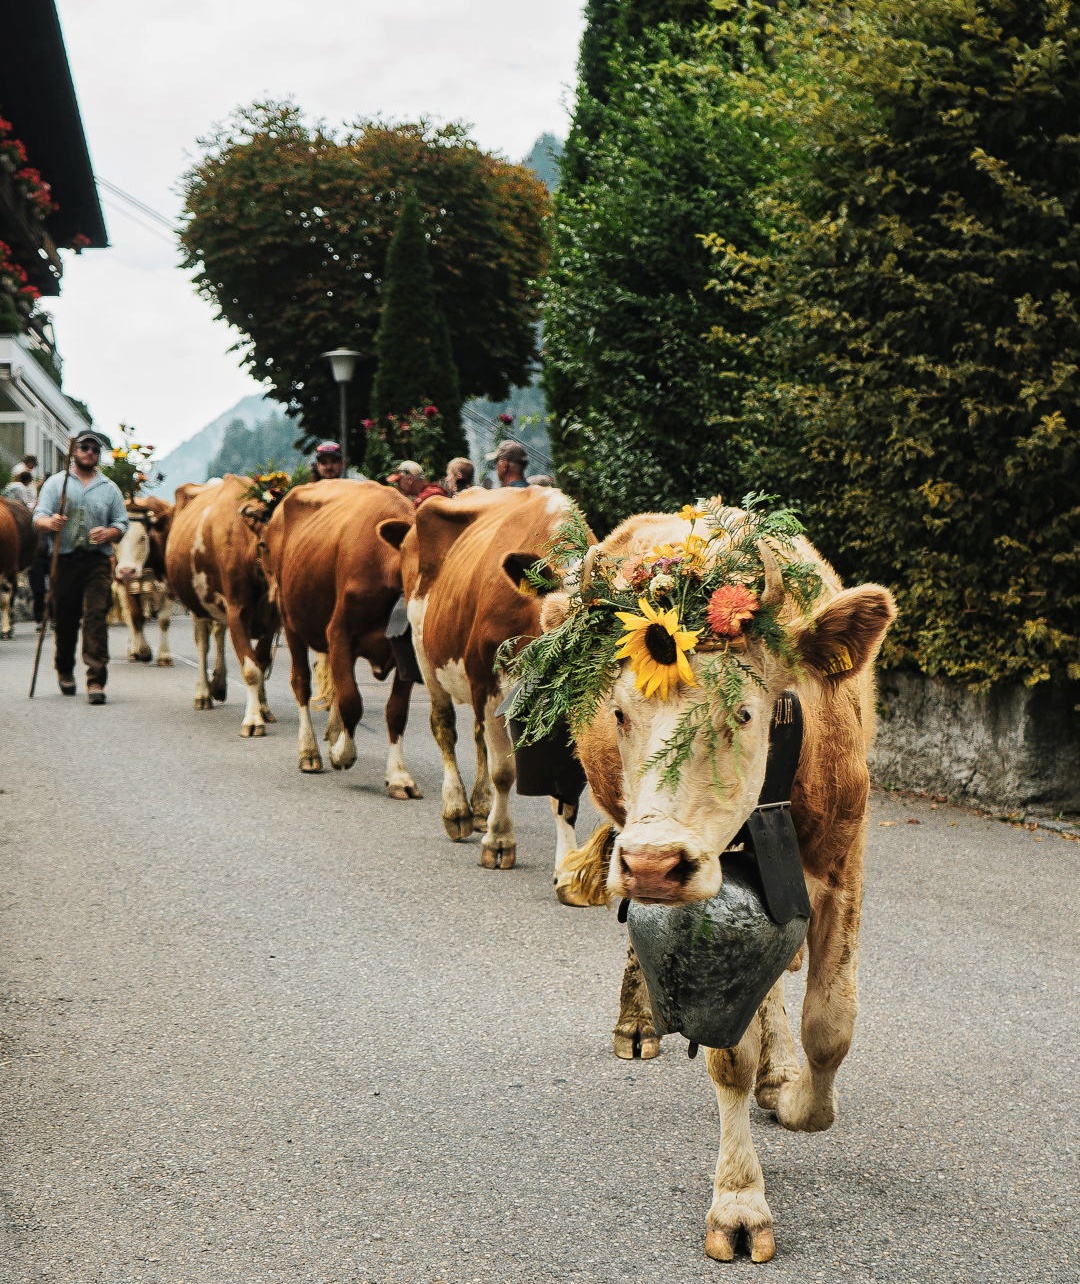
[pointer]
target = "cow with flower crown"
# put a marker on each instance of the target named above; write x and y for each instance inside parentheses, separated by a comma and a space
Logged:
(667, 661)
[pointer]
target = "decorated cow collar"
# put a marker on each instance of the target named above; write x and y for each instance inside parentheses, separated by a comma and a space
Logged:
(734, 577)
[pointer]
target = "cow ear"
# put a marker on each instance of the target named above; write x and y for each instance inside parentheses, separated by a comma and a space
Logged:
(523, 568)
(554, 611)
(392, 530)
(254, 516)
(844, 634)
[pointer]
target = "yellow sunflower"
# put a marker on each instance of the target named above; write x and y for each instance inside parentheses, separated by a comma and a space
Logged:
(656, 649)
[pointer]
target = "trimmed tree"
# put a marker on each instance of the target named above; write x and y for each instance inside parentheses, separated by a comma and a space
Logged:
(287, 227)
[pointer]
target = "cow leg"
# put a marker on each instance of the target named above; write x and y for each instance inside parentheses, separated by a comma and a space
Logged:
(138, 648)
(565, 816)
(399, 783)
(480, 801)
(164, 619)
(264, 655)
(457, 813)
(253, 724)
(307, 746)
(808, 1103)
(200, 630)
(499, 847)
(635, 1031)
(218, 683)
(7, 594)
(738, 1207)
(349, 702)
(779, 1060)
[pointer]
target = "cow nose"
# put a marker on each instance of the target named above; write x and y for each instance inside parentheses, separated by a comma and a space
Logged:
(654, 875)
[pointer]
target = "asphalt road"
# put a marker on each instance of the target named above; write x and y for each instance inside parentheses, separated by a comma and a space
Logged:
(260, 1027)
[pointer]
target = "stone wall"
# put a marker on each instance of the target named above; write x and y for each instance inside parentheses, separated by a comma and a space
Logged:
(1011, 749)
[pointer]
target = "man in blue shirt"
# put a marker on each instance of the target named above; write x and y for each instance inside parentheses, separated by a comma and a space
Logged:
(93, 519)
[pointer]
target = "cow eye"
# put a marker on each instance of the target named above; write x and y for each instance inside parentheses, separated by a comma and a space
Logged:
(620, 717)
(743, 716)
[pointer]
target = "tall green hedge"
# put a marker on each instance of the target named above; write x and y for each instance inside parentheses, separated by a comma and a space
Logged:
(924, 334)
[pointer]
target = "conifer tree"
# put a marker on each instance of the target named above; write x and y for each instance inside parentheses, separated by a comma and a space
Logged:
(415, 364)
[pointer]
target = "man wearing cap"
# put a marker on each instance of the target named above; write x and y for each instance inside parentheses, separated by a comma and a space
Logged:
(92, 521)
(409, 478)
(329, 462)
(510, 459)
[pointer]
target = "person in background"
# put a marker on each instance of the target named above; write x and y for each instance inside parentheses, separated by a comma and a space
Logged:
(409, 478)
(328, 463)
(27, 464)
(93, 520)
(21, 487)
(510, 459)
(460, 475)
(541, 479)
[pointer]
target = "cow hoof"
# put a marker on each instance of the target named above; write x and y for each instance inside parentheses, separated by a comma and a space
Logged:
(498, 857)
(720, 1244)
(144, 659)
(165, 662)
(219, 693)
(312, 765)
(267, 716)
(250, 731)
(402, 789)
(634, 1045)
(7, 635)
(203, 702)
(798, 1109)
(458, 827)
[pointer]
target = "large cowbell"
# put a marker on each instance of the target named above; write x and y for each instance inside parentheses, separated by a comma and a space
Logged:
(709, 964)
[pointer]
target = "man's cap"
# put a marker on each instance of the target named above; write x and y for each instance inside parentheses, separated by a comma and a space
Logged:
(328, 448)
(89, 435)
(406, 468)
(512, 451)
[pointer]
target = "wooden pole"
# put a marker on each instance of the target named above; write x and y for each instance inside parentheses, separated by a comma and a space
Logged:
(53, 561)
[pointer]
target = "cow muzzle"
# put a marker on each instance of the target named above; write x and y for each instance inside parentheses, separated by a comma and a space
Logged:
(661, 869)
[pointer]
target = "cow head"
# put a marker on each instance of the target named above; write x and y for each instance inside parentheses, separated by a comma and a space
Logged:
(676, 733)
(133, 548)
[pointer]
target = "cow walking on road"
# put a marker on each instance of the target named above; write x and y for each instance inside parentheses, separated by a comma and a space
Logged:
(715, 621)
(18, 542)
(140, 593)
(464, 573)
(335, 582)
(213, 569)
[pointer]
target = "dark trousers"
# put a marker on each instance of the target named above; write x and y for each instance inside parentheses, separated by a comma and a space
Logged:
(82, 593)
(39, 577)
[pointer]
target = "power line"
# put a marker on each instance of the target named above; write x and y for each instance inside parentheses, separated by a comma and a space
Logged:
(135, 203)
(152, 228)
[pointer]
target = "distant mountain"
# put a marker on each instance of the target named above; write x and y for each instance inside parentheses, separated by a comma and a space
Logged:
(188, 462)
(543, 160)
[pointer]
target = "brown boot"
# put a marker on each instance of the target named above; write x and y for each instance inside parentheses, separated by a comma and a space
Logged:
(95, 694)
(66, 683)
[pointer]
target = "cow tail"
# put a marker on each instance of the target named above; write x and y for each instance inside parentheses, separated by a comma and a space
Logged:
(323, 682)
(581, 878)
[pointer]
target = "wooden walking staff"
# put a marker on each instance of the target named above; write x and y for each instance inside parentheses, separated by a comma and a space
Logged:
(57, 537)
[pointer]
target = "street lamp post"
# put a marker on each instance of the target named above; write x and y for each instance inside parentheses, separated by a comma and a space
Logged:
(342, 365)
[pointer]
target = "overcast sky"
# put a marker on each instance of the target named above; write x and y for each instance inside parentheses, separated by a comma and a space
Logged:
(152, 76)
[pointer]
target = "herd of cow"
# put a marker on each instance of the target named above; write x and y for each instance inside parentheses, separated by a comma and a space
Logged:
(326, 568)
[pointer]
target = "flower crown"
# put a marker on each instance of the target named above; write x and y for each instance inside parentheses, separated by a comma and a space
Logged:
(727, 581)
(269, 488)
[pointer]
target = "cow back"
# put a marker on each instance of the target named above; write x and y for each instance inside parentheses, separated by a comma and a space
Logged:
(324, 553)
(457, 562)
(25, 539)
(211, 555)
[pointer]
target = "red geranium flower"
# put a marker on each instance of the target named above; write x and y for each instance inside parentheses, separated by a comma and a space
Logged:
(504, 418)
(730, 606)
(431, 411)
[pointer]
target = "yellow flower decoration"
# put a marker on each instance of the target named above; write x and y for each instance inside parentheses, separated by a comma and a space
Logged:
(690, 514)
(656, 649)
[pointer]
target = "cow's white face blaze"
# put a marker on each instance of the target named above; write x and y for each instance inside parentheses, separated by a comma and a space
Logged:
(669, 849)
(132, 551)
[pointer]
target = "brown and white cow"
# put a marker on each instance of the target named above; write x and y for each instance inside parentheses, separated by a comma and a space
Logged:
(462, 568)
(140, 593)
(18, 542)
(669, 840)
(213, 569)
(335, 582)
